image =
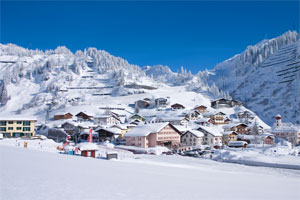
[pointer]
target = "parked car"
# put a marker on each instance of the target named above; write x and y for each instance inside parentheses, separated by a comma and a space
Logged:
(192, 153)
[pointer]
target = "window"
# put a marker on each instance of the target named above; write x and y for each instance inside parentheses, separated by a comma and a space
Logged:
(2, 129)
(26, 123)
(19, 128)
(26, 128)
(3, 123)
(19, 122)
(10, 122)
(10, 128)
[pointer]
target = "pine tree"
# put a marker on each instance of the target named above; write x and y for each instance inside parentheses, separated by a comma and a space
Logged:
(3, 93)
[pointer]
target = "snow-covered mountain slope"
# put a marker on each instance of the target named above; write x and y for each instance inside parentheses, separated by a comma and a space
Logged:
(35, 81)
(265, 77)
(192, 82)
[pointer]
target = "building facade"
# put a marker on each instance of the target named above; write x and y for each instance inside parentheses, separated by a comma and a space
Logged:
(17, 127)
(286, 131)
(107, 120)
(192, 138)
(151, 135)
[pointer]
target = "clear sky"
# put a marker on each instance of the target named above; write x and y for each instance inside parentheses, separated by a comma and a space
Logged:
(194, 34)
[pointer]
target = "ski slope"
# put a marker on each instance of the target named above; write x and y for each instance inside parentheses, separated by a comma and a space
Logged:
(32, 174)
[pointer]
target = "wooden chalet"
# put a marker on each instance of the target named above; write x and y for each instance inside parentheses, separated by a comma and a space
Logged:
(142, 104)
(239, 128)
(218, 118)
(201, 109)
(81, 116)
(63, 116)
(70, 128)
(137, 117)
(108, 134)
(191, 115)
(237, 144)
(229, 136)
(177, 106)
(269, 139)
(221, 103)
(161, 102)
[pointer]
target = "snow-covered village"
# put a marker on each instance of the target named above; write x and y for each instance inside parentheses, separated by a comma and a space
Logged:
(87, 124)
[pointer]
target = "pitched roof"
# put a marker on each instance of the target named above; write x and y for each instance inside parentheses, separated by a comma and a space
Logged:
(177, 105)
(204, 119)
(112, 130)
(195, 132)
(146, 129)
(200, 107)
(211, 130)
(82, 113)
(229, 132)
(17, 117)
(85, 146)
(237, 143)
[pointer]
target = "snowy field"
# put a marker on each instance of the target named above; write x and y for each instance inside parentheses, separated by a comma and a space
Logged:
(39, 173)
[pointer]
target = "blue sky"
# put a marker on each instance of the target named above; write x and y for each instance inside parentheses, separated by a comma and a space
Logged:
(194, 34)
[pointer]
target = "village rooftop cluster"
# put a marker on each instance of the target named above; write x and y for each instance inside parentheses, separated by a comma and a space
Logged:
(178, 129)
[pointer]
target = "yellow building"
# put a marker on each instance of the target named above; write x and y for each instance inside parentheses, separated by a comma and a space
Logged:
(17, 126)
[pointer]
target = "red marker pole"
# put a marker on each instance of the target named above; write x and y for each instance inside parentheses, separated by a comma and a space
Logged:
(91, 136)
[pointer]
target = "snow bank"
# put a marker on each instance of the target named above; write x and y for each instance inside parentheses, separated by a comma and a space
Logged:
(278, 157)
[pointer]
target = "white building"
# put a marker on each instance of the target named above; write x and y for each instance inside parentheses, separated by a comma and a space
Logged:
(286, 131)
(161, 102)
(107, 120)
(192, 138)
(212, 136)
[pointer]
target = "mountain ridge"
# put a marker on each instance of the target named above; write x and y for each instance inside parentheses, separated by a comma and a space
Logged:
(60, 77)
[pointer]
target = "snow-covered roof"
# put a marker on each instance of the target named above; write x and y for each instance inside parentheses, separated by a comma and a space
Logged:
(228, 132)
(86, 124)
(210, 113)
(237, 143)
(86, 146)
(285, 129)
(144, 130)
(17, 118)
(211, 130)
(195, 132)
(174, 119)
(84, 133)
(204, 119)
(120, 126)
(102, 116)
(226, 126)
(113, 130)
(181, 128)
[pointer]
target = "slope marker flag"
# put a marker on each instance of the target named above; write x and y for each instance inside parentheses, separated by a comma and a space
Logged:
(91, 136)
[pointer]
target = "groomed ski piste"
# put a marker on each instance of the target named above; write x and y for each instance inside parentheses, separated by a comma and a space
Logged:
(40, 171)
